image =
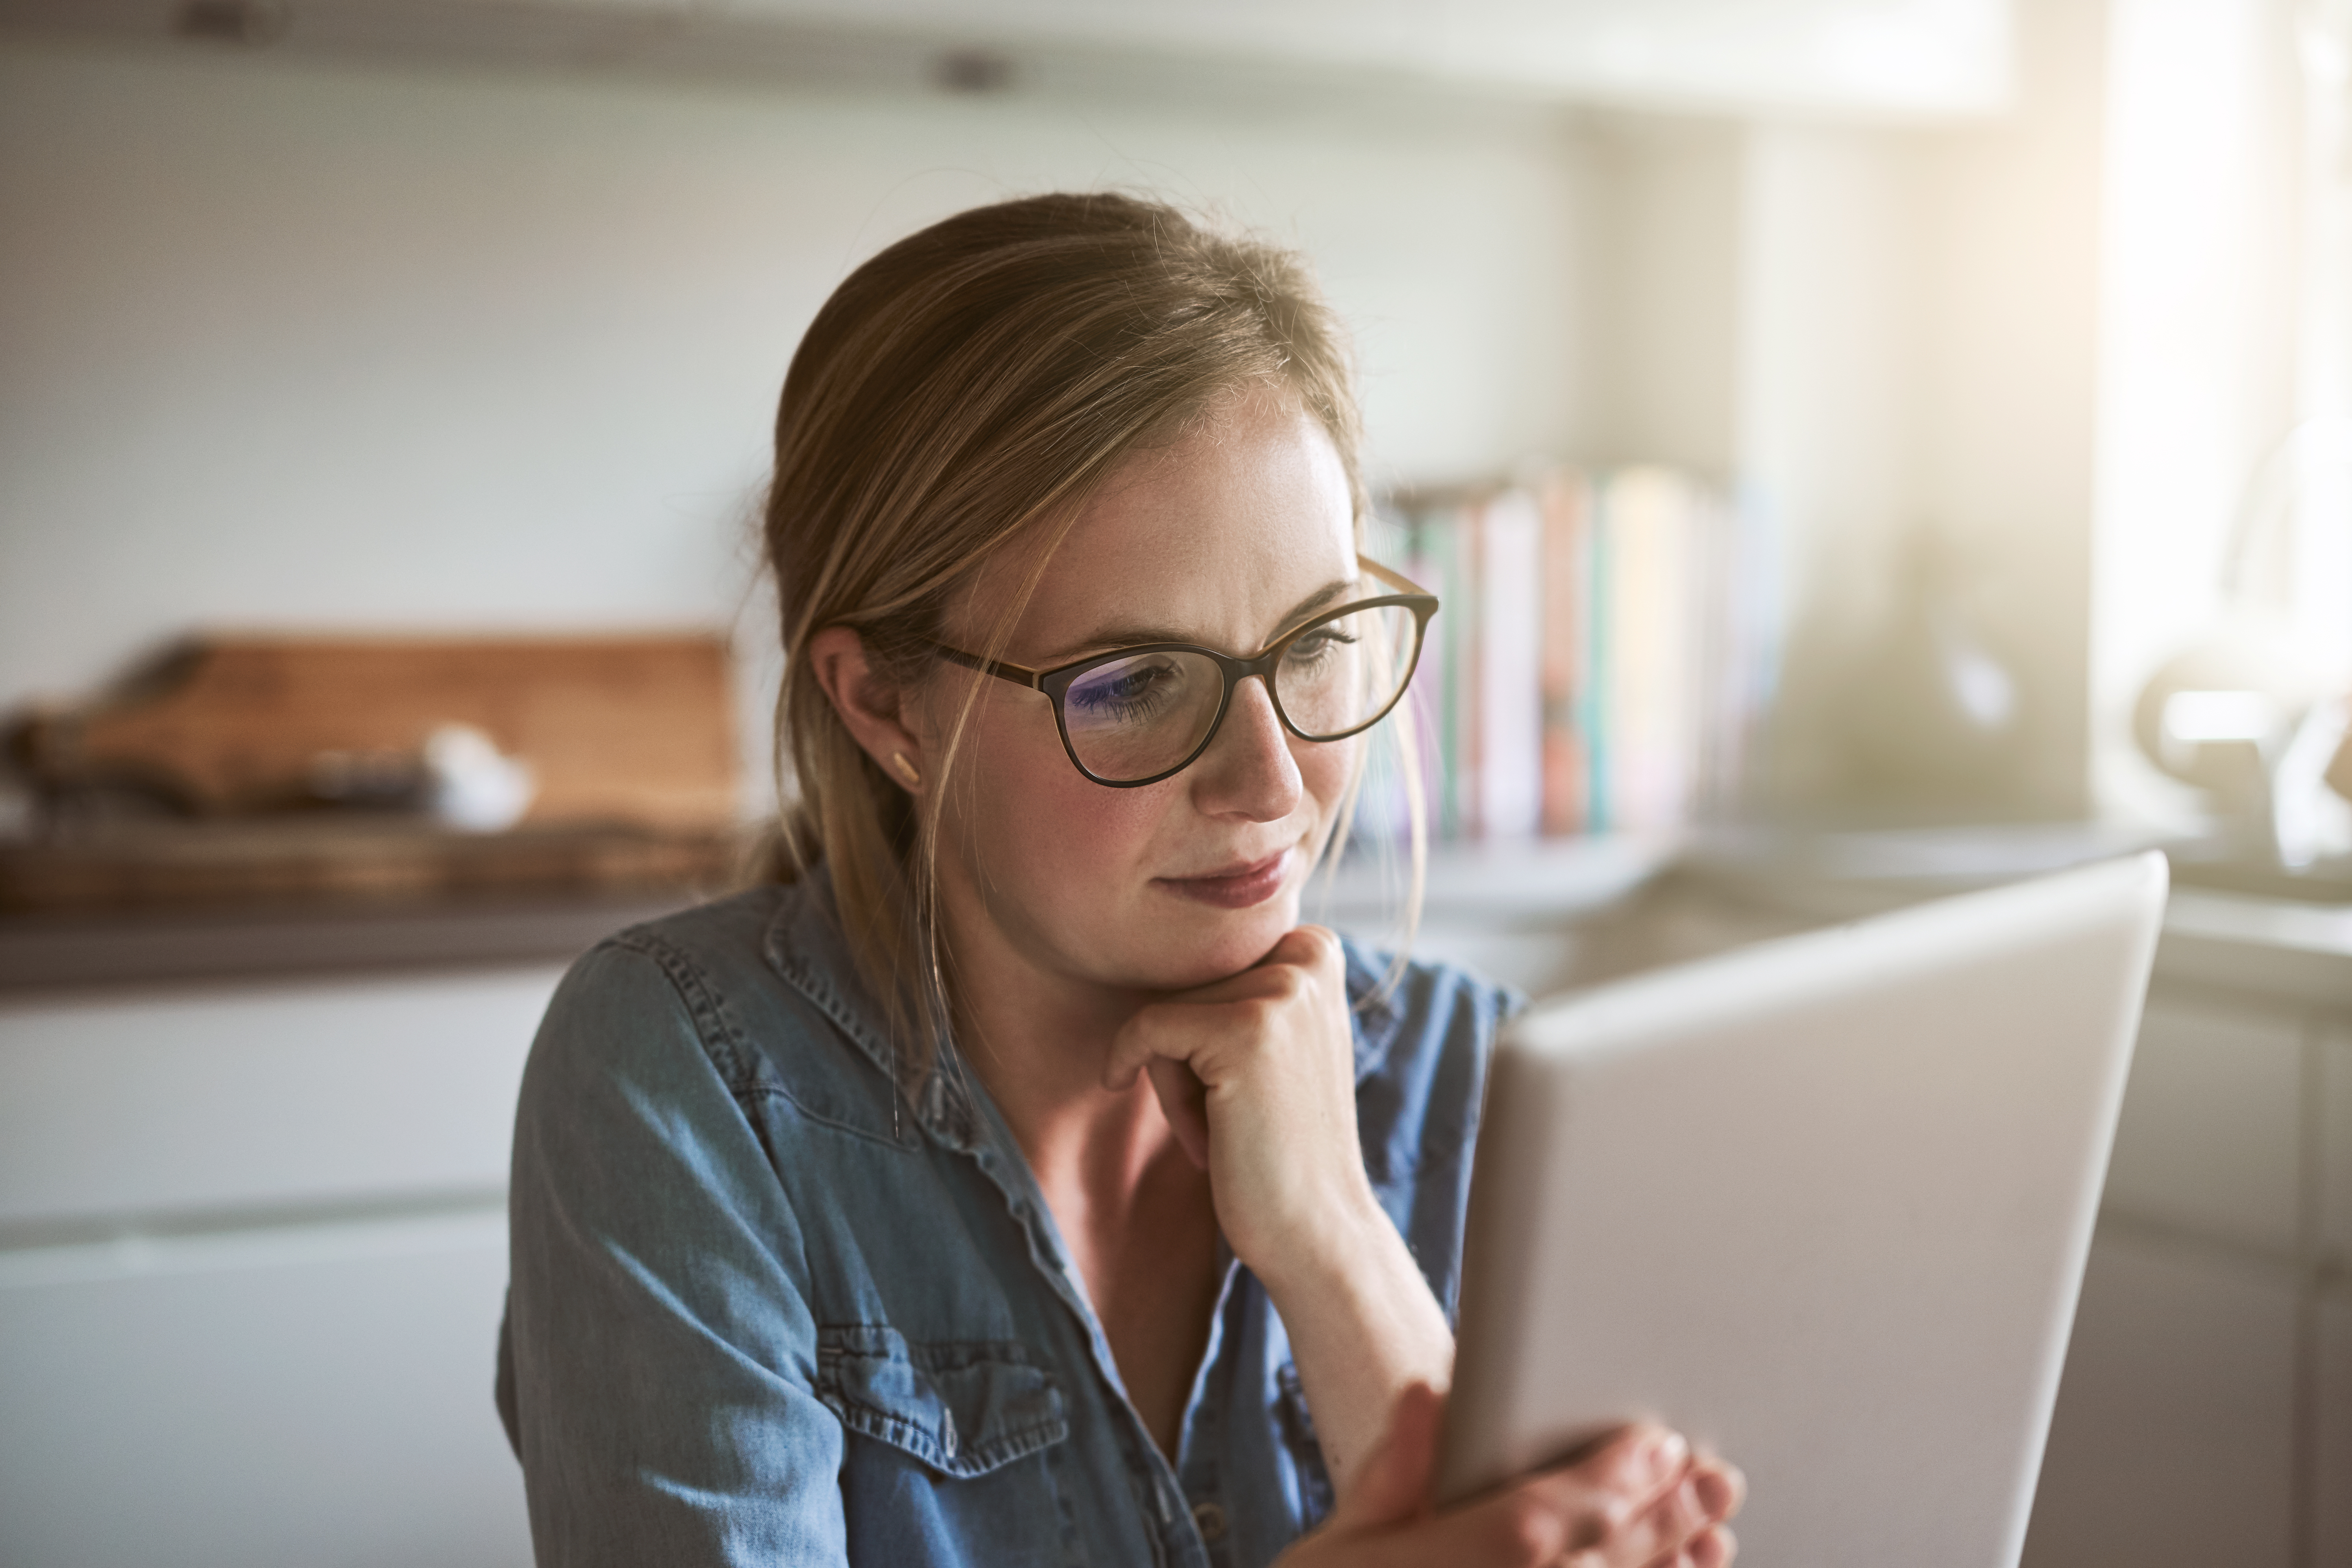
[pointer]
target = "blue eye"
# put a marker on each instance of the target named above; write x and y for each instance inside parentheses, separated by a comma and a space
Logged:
(1131, 691)
(1320, 643)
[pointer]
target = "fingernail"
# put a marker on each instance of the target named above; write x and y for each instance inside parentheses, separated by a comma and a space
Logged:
(1666, 1454)
(1714, 1493)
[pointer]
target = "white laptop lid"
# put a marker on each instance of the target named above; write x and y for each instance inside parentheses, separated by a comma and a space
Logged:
(1821, 1203)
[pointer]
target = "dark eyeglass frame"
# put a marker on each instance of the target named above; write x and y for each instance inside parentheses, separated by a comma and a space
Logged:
(1056, 683)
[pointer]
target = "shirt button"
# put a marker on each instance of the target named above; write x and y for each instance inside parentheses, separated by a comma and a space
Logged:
(1210, 1521)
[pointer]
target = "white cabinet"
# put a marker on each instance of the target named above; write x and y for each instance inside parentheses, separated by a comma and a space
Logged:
(2331, 1469)
(2210, 1139)
(2206, 1411)
(252, 1260)
(245, 1096)
(2173, 1446)
(2335, 1124)
(315, 1396)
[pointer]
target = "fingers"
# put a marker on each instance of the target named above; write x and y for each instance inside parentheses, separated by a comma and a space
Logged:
(1683, 1524)
(1732, 1482)
(1181, 1026)
(1710, 1548)
(1151, 1036)
(1309, 947)
(1186, 1103)
(1641, 1501)
(1657, 1534)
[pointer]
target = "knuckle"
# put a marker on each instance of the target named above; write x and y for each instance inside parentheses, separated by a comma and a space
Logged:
(1524, 1531)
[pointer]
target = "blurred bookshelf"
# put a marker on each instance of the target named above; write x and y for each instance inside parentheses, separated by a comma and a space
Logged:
(1599, 664)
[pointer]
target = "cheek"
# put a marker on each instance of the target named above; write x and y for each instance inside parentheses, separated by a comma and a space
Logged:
(1326, 769)
(1027, 816)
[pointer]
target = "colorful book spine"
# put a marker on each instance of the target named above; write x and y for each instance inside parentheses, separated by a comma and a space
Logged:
(1464, 554)
(1509, 708)
(1565, 502)
(1598, 661)
(1427, 539)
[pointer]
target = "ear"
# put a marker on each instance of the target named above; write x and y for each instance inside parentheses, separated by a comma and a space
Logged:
(872, 708)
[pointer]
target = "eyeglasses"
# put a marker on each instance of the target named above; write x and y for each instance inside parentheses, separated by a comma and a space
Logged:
(1136, 715)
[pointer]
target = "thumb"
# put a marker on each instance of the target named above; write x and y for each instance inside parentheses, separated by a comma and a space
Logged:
(1391, 1485)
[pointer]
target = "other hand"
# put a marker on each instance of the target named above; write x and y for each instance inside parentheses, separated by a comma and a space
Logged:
(1642, 1500)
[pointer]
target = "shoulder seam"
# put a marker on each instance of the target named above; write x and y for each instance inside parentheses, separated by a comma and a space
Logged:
(723, 1038)
(714, 1023)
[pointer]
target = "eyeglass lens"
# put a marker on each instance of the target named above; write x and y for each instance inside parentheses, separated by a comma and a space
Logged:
(1135, 717)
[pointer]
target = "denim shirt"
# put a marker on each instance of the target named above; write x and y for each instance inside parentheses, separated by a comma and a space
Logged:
(763, 1310)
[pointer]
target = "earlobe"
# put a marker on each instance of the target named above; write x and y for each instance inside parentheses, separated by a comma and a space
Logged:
(868, 706)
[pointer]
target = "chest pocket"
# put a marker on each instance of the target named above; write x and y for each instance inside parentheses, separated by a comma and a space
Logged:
(963, 1408)
(965, 1465)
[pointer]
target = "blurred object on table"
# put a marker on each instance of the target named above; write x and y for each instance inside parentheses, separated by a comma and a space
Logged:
(1933, 724)
(2256, 711)
(2339, 772)
(624, 729)
(281, 769)
(2220, 715)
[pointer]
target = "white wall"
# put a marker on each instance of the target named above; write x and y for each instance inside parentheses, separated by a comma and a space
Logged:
(301, 343)
(1888, 340)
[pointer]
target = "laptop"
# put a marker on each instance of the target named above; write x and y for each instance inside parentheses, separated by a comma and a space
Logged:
(1822, 1205)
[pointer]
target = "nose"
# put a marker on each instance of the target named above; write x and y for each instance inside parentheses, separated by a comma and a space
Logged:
(1248, 771)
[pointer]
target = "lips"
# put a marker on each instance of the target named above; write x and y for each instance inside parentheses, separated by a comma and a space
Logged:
(1235, 887)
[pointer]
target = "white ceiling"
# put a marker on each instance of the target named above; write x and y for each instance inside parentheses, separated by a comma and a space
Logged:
(1878, 57)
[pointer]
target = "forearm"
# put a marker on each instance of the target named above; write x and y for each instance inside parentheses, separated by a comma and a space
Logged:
(1362, 1326)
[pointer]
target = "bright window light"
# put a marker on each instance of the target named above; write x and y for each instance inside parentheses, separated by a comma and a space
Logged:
(2196, 718)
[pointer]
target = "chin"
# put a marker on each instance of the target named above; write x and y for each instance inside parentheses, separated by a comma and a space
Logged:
(1222, 943)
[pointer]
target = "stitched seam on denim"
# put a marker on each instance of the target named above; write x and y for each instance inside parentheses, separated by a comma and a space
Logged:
(943, 1110)
(711, 1015)
(722, 1038)
(837, 1343)
(880, 1341)
(970, 1460)
(812, 984)
(763, 1089)
(1377, 1027)
(829, 1001)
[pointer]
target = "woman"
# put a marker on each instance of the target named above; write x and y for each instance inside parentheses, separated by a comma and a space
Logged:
(1018, 1180)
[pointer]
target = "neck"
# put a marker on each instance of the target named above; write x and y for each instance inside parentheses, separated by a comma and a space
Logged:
(1038, 1041)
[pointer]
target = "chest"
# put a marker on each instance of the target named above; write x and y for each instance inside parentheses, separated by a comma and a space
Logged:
(1151, 1268)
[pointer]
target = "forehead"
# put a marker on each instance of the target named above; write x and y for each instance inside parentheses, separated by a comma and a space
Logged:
(1214, 537)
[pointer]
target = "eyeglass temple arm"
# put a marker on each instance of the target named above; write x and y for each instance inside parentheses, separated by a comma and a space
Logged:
(1019, 674)
(1392, 578)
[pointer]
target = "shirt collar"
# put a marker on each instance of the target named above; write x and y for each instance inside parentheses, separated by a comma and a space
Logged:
(807, 947)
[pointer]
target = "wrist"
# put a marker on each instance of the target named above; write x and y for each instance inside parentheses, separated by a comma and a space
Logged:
(1341, 1244)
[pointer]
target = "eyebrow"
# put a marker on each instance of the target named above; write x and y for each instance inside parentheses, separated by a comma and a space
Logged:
(1131, 635)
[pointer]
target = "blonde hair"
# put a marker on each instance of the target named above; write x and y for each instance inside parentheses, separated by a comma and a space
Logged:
(969, 383)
